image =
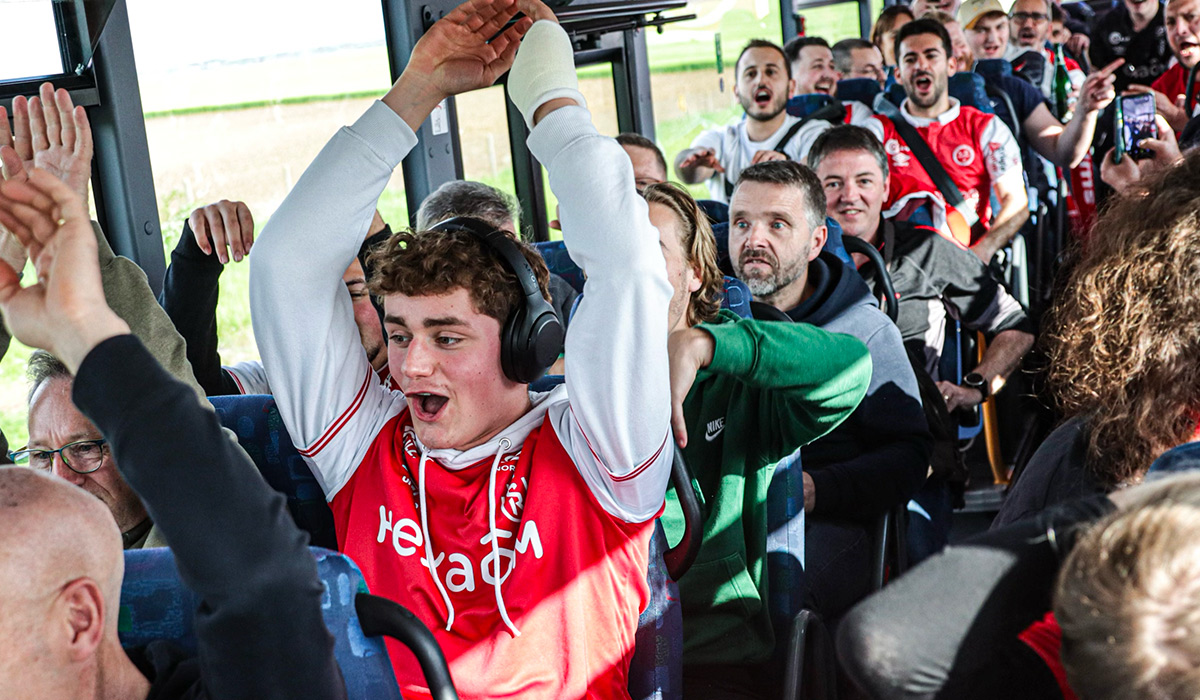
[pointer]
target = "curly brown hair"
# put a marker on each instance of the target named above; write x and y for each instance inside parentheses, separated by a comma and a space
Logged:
(1125, 336)
(699, 245)
(432, 263)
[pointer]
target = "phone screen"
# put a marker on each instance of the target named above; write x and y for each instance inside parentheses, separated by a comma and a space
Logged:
(1136, 115)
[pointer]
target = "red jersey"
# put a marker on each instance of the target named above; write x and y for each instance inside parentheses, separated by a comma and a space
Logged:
(975, 148)
(553, 568)
(1173, 83)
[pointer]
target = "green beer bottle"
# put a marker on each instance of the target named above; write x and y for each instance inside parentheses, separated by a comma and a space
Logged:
(1061, 87)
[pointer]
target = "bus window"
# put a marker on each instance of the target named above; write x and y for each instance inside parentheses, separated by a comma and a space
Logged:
(35, 51)
(237, 110)
(483, 138)
(690, 95)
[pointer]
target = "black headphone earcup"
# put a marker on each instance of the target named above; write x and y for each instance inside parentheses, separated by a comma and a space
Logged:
(529, 346)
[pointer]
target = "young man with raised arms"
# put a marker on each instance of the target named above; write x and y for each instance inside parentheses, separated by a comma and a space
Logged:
(515, 526)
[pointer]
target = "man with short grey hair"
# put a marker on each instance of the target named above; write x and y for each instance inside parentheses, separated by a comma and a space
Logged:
(498, 209)
(875, 460)
(859, 58)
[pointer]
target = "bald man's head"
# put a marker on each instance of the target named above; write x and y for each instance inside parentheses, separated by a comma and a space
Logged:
(60, 584)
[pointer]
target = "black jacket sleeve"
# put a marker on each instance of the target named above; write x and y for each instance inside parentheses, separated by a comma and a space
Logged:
(949, 628)
(189, 296)
(259, 625)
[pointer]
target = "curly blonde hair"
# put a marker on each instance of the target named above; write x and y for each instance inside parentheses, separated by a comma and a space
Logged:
(1125, 336)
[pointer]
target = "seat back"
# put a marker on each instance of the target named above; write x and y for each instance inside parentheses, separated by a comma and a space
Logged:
(785, 545)
(717, 212)
(861, 90)
(156, 606)
(260, 431)
(803, 105)
(992, 68)
(560, 263)
(968, 88)
(737, 297)
(656, 670)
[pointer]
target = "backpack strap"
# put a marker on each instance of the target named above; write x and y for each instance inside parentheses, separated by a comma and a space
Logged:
(933, 167)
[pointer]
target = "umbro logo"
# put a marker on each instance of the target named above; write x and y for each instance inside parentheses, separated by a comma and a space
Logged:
(714, 429)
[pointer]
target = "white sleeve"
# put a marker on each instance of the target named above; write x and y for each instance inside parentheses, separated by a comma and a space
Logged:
(616, 423)
(713, 138)
(1000, 151)
(798, 149)
(330, 399)
(250, 377)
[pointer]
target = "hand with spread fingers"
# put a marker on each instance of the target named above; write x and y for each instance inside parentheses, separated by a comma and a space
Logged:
(64, 312)
(466, 50)
(50, 133)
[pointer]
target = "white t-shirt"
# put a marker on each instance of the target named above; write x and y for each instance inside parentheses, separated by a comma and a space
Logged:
(735, 151)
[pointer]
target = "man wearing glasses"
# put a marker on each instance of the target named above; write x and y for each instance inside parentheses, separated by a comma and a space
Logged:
(65, 443)
(1029, 30)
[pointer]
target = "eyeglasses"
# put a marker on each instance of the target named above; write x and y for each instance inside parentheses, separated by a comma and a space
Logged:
(1035, 17)
(82, 457)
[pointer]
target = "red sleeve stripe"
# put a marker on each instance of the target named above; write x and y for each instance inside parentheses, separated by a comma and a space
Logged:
(618, 479)
(341, 421)
(644, 465)
(233, 375)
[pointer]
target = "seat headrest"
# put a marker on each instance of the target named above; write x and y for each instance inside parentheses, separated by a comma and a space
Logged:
(861, 90)
(1031, 66)
(969, 89)
(992, 68)
(801, 106)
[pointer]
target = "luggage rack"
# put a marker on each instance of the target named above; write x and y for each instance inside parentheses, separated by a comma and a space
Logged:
(594, 18)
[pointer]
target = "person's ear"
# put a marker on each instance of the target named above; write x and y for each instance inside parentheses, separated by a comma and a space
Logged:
(82, 608)
(791, 86)
(694, 283)
(819, 236)
(951, 65)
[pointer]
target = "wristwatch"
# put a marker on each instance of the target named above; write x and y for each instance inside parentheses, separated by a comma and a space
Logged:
(975, 380)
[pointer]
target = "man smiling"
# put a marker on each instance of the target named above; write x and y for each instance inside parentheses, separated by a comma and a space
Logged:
(764, 84)
(516, 526)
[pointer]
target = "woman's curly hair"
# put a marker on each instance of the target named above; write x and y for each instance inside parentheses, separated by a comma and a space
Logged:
(1125, 335)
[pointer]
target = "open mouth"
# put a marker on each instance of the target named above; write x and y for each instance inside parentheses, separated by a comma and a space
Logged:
(923, 83)
(426, 407)
(824, 86)
(762, 98)
(1189, 48)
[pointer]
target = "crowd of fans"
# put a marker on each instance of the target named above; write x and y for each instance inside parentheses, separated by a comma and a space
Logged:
(516, 524)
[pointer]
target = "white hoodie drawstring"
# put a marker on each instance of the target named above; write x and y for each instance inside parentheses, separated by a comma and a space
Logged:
(505, 444)
(429, 560)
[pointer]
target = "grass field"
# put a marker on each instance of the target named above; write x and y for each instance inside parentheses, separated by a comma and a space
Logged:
(240, 147)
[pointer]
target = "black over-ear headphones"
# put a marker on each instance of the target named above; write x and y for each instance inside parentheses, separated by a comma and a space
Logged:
(532, 337)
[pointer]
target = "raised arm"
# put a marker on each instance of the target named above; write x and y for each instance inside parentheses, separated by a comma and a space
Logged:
(327, 392)
(815, 378)
(618, 424)
(191, 287)
(52, 134)
(262, 641)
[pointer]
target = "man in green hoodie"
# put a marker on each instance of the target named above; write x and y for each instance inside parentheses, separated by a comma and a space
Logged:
(746, 395)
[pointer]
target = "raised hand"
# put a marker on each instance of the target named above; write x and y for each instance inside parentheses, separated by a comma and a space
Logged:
(456, 56)
(49, 132)
(223, 226)
(1097, 92)
(64, 312)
